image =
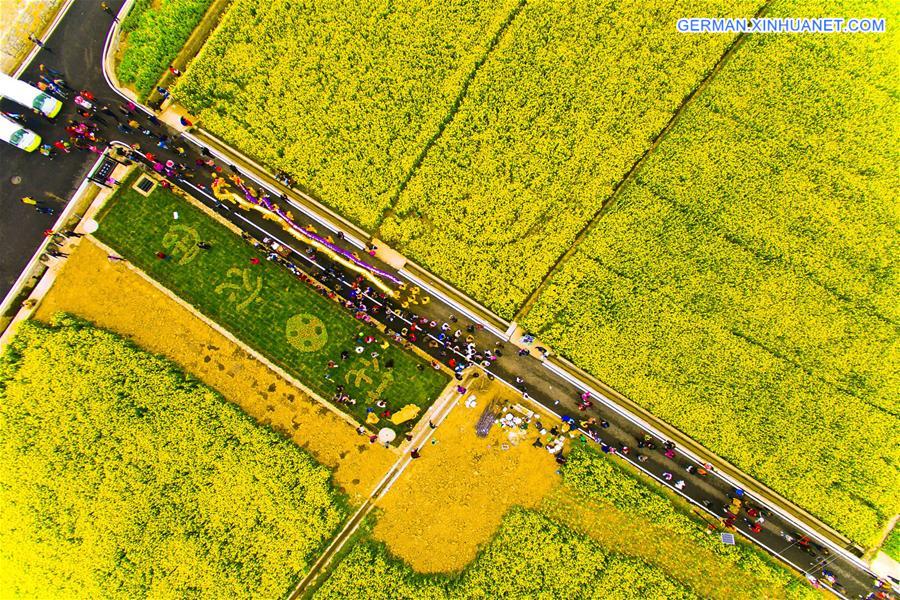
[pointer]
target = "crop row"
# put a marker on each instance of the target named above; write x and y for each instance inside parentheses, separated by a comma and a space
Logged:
(594, 476)
(567, 102)
(531, 557)
(346, 98)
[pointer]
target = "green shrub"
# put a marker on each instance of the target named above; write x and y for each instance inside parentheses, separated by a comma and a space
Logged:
(154, 37)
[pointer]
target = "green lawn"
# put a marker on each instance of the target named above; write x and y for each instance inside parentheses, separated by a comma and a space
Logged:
(891, 545)
(263, 305)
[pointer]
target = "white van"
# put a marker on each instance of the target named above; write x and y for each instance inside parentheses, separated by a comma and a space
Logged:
(20, 137)
(29, 96)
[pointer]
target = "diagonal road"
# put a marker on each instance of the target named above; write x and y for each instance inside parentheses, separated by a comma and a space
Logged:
(421, 434)
(77, 51)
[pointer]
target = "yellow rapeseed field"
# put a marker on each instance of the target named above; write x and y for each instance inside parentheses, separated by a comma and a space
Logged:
(450, 501)
(123, 477)
(115, 298)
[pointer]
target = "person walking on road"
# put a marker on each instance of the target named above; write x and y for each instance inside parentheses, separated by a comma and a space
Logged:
(55, 83)
(105, 8)
(39, 43)
(104, 108)
(17, 117)
(44, 69)
(51, 88)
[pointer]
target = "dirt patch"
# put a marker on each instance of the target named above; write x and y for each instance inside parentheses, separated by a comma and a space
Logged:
(19, 19)
(451, 500)
(115, 298)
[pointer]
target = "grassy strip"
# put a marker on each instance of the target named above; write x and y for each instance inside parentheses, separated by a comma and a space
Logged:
(264, 305)
(891, 545)
(360, 536)
(153, 38)
(591, 473)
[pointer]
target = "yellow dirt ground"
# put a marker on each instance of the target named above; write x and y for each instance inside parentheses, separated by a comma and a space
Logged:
(115, 298)
(450, 501)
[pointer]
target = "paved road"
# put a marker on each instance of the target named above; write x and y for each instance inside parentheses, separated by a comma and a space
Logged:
(78, 56)
(77, 49)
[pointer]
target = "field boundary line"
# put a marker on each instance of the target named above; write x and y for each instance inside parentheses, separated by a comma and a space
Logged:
(303, 202)
(665, 487)
(321, 214)
(694, 450)
(317, 211)
(192, 46)
(258, 355)
(379, 325)
(455, 299)
(451, 114)
(635, 167)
